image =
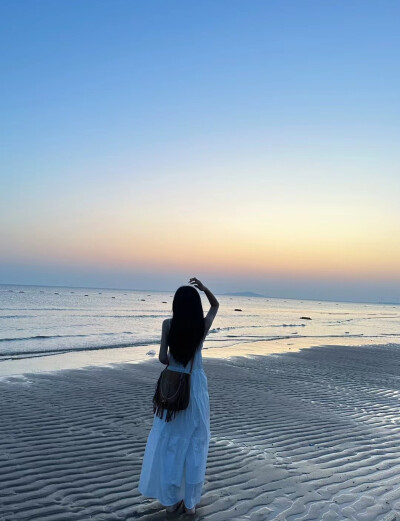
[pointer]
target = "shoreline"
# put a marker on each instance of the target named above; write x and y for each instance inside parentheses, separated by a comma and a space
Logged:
(305, 435)
(17, 368)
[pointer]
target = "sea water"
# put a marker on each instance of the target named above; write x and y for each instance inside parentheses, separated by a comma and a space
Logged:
(43, 321)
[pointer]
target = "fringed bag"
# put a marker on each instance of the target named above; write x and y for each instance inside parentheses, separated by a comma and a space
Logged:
(172, 393)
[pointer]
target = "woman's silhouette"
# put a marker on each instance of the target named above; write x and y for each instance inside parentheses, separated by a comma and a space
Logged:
(174, 462)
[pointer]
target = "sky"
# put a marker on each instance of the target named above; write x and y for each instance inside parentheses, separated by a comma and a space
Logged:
(254, 145)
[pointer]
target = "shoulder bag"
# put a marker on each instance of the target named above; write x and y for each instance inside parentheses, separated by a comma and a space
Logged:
(172, 393)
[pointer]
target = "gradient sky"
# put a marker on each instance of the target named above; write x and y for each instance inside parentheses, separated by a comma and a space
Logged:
(254, 144)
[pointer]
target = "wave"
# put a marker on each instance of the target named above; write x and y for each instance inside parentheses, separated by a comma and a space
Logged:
(47, 337)
(258, 338)
(44, 309)
(250, 336)
(73, 309)
(289, 325)
(232, 339)
(359, 319)
(220, 329)
(127, 316)
(16, 316)
(6, 355)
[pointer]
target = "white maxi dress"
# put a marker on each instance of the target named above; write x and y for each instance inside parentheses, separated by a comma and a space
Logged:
(175, 458)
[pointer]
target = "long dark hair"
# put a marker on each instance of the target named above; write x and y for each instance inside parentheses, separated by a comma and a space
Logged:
(187, 324)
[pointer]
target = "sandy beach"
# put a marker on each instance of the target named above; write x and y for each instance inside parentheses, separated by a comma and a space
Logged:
(216, 175)
(308, 435)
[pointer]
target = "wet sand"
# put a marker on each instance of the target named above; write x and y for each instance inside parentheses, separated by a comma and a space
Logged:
(306, 435)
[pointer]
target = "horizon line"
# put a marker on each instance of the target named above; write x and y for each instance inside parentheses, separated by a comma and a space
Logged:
(216, 293)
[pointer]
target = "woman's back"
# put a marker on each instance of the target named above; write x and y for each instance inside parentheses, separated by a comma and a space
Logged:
(198, 359)
(197, 363)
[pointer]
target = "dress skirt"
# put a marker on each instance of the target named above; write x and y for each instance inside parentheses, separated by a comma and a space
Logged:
(175, 458)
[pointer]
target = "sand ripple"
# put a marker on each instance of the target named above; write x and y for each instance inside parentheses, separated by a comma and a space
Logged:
(313, 435)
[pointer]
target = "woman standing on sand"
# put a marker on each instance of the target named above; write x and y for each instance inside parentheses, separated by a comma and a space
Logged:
(174, 462)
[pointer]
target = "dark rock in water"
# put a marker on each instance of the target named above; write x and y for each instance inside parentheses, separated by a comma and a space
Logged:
(86, 295)
(143, 299)
(164, 302)
(149, 295)
(112, 297)
(238, 309)
(21, 291)
(305, 318)
(56, 293)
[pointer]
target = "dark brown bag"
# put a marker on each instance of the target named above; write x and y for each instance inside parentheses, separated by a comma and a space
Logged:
(172, 393)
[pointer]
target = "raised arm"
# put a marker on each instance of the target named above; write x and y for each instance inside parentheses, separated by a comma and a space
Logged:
(163, 355)
(211, 298)
(208, 320)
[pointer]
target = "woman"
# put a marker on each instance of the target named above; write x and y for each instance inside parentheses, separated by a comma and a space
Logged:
(174, 462)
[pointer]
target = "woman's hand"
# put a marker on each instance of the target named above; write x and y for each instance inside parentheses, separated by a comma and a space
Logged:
(199, 285)
(211, 298)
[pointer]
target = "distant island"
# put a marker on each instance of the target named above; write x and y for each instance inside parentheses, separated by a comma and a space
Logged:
(244, 294)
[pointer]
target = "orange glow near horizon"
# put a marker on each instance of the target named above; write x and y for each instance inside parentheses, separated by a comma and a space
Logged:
(245, 243)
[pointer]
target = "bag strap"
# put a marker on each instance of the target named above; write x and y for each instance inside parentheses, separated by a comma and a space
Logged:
(169, 329)
(191, 365)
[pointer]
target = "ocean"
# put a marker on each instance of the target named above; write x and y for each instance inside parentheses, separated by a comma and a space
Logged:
(41, 321)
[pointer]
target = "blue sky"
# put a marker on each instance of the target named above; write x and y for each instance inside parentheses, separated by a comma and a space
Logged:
(147, 140)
